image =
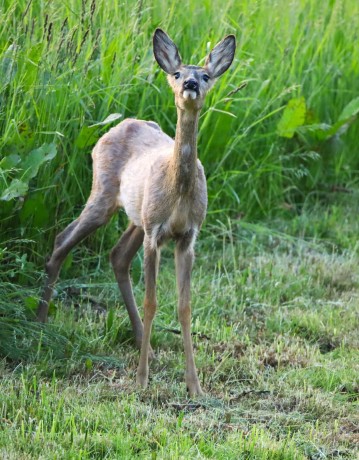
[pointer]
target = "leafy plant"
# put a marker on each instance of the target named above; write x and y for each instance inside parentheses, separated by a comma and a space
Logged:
(297, 119)
(16, 173)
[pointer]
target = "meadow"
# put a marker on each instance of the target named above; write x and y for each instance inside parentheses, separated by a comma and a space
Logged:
(276, 280)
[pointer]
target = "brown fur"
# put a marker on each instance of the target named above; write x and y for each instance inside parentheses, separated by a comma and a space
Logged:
(162, 187)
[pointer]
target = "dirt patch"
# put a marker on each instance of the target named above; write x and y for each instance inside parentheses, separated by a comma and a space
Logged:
(287, 357)
(233, 350)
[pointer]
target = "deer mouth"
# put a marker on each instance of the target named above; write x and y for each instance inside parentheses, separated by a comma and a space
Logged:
(190, 94)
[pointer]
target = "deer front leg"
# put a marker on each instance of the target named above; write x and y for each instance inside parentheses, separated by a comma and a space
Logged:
(184, 262)
(151, 257)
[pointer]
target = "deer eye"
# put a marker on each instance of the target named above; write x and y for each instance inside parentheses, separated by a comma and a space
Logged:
(176, 75)
(205, 77)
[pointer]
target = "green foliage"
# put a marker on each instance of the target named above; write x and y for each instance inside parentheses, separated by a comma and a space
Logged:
(65, 67)
(296, 119)
(50, 346)
(293, 117)
(26, 170)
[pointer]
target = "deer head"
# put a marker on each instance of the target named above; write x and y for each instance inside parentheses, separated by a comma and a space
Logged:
(190, 83)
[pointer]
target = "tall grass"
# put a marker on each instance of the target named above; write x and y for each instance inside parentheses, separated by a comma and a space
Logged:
(66, 66)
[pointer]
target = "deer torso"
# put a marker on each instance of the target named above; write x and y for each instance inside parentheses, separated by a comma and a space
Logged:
(148, 188)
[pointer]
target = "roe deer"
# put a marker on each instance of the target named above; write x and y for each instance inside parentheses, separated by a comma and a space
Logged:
(162, 187)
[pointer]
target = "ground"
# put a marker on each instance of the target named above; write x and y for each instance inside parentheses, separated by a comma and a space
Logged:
(275, 321)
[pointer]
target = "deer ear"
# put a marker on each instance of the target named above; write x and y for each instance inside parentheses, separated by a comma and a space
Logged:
(221, 57)
(166, 52)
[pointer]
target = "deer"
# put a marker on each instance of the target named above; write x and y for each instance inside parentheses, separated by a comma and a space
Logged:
(161, 185)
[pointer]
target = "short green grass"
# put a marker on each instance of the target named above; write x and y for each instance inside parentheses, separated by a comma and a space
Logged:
(275, 317)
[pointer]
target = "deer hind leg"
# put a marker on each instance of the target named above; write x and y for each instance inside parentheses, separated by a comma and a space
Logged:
(150, 304)
(184, 261)
(121, 258)
(97, 212)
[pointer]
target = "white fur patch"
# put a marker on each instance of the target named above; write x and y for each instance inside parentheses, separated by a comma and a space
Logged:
(193, 242)
(189, 94)
(158, 231)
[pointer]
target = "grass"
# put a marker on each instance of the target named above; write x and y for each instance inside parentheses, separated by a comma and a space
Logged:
(275, 284)
(67, 66)
(275, 316)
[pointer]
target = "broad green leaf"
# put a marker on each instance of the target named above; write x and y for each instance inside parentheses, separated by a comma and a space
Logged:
(29, 168)
(346, 117)
(293, 117)
(50, 151)
(323, 132)
(351, 110)
(35, 159)
(16, 188)
(318, 131)
(107, 120)
(9, 162)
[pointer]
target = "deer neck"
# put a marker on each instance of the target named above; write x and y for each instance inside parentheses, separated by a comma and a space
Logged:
(184, 161)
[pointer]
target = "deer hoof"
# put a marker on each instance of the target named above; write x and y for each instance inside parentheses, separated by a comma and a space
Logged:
(194, 388)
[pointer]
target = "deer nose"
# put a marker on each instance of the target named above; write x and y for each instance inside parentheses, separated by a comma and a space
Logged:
(191, 84)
